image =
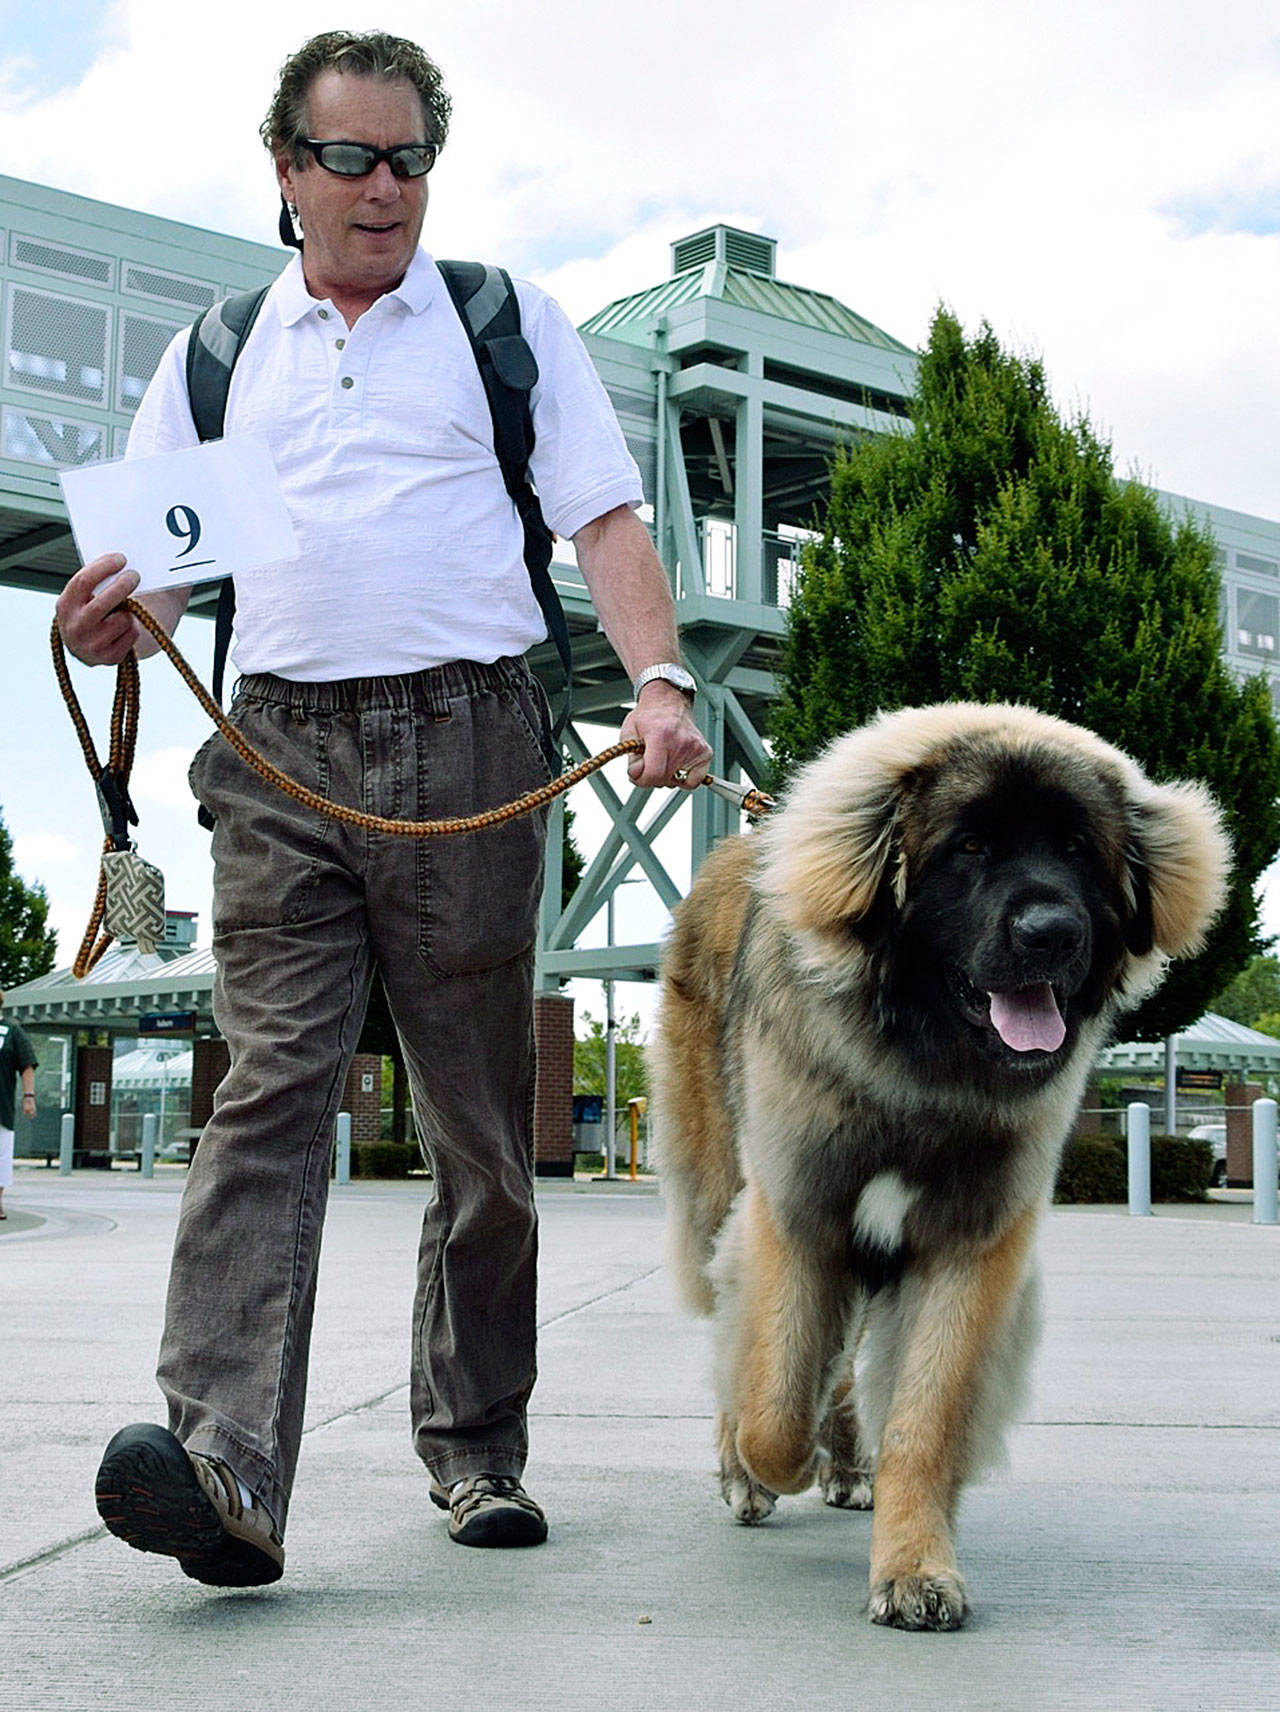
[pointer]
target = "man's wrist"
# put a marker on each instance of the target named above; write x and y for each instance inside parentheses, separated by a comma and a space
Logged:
(666, 672)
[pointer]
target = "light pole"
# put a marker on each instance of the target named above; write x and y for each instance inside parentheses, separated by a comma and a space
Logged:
(610, 1061)
(611, 1047)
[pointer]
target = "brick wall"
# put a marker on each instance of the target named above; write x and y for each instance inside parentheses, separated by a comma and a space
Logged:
(553, 1097)
(362, 1097)
(1238, 1097)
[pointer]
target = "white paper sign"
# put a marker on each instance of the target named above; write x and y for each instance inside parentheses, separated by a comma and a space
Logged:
(183, 517)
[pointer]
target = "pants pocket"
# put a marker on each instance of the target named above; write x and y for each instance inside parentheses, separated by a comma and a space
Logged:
(266, 846)
(478, 892)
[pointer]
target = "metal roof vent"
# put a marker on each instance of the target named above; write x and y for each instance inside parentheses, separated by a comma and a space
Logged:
(745, 250)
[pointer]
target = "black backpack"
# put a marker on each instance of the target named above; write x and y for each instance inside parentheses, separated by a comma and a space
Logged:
(486, 302)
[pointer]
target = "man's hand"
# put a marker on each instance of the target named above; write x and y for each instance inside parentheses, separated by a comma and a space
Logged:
(93, 626)
(663, 718)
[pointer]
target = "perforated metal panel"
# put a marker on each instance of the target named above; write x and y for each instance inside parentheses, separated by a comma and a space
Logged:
(42, 256)
(56, 345)
(1257, 623)
(1259, 567)
(194, 294)
(37, 438)
(143, 342)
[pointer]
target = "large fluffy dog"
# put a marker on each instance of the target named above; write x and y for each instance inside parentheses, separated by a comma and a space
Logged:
(878, 1016)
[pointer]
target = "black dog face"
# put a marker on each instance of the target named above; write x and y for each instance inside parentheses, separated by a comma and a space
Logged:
(1008, 933)
(984, 885)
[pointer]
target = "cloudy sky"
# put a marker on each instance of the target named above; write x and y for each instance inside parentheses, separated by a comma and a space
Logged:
(1099, 181)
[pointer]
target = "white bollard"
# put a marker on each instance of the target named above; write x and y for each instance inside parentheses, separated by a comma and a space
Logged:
(342, 1173)
(66, 1143)
(1264, 1162)
(1139, 1132)
(147, 1155)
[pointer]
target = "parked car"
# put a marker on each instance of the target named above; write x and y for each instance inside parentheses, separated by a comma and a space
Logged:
(1216, 1135)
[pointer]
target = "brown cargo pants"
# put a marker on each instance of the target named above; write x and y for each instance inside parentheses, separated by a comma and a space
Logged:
(305, 910)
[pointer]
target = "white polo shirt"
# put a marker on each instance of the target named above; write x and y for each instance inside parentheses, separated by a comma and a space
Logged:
(411, 551)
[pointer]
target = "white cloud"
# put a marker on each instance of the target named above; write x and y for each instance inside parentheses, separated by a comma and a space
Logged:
(34, 852)
(160, 776)
(1103, 191)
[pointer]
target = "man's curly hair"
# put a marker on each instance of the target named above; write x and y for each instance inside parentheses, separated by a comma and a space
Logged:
(372, 53)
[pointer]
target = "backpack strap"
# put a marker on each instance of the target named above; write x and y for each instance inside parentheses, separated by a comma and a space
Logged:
(216, 341)
(490, 312)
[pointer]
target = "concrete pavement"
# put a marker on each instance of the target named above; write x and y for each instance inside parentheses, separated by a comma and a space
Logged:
(1128, 1557)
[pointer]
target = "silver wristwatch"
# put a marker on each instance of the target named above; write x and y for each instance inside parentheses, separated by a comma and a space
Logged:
(671, 674)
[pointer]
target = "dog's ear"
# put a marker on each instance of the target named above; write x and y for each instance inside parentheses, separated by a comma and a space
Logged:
(1179, 863)
(1139, 929)
(830, 862)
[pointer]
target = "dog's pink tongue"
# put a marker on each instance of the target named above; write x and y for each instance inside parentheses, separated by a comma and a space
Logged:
(1029, 1020)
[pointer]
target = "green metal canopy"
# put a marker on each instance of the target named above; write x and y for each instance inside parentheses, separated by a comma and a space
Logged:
(125, 983)
(1213, 1043)
(733, 267)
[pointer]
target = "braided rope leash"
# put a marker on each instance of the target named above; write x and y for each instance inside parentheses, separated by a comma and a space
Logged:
(112, 781)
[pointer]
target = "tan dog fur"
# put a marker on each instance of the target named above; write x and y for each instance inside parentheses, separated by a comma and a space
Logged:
(781, 1094)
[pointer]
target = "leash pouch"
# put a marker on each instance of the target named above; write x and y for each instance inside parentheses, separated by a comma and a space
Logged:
(134, 907)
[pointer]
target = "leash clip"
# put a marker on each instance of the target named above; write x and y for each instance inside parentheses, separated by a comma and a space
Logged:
(745, 797)
(116, 808)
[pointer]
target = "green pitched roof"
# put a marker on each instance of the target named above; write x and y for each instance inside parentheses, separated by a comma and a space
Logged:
(632, 318)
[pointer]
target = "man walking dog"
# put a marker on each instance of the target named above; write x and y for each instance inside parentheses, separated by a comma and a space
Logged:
(384, 668)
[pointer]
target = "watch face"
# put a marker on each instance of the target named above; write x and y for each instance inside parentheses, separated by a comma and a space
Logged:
(670, 674)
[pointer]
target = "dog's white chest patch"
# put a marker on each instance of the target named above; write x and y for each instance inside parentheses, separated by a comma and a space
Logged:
(882, 1210)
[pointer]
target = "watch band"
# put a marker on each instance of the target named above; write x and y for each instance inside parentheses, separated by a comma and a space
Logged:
(670, 673)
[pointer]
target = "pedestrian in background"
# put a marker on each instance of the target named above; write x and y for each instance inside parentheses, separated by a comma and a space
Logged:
(17, 1064)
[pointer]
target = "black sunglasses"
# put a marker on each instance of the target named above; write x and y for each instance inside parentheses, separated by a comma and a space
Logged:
(357, 160)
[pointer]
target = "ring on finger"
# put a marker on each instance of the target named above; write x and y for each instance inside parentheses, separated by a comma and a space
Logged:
(681, 775)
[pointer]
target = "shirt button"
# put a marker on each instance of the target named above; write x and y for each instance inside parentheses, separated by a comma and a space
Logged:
(323, 314)
(340, 343)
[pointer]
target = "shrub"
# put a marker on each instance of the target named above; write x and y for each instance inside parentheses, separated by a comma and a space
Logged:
(383, 1159)
(1095, 1168)
(1180, 1168)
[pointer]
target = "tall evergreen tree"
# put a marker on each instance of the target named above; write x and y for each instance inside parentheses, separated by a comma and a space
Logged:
(989, 553)
(27, 945)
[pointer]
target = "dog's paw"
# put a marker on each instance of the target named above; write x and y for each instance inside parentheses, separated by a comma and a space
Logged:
(749, 1501)
(919, 1602)
(844, 1488)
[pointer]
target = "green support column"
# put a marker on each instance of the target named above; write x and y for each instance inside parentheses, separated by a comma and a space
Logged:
(748, 487)
(680, 505)
(707, 811)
